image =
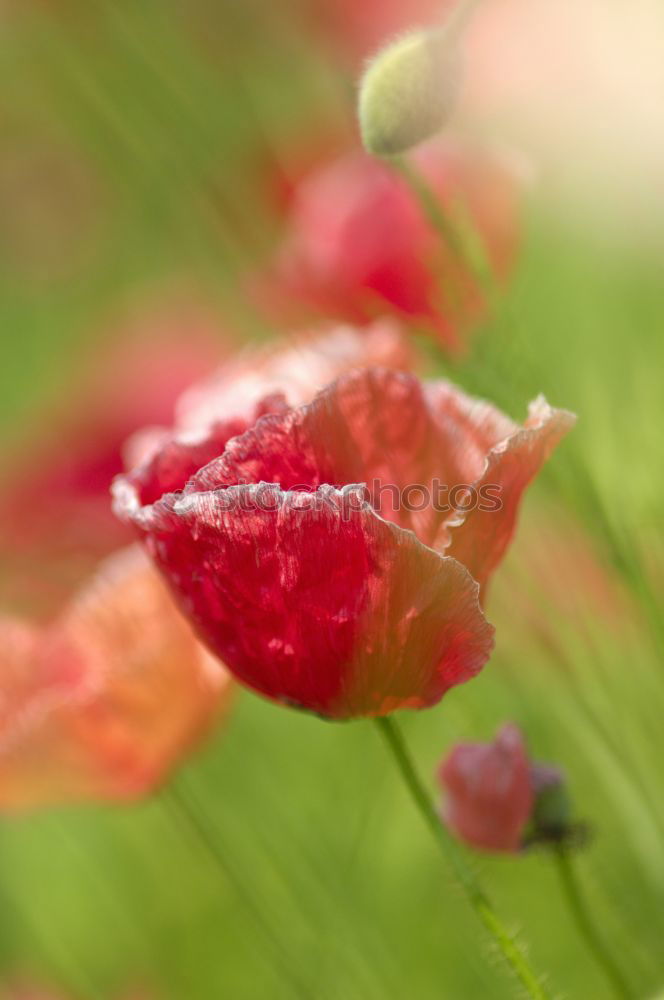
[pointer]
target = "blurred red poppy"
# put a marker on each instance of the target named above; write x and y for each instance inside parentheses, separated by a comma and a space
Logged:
(54, 509)
(101, 703)
(497, 799)
(357, 240)
(360, 28)
(316, 593)
(489, 795)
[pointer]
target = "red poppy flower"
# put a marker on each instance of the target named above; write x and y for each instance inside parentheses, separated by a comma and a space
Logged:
(322, 595)
(488, 791)
(102, 702)
(357, 240)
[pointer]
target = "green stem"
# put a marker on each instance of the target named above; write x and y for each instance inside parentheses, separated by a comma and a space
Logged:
(463, 242)
(455, 24)
(431, 207)
(581, 913)
(479, 901)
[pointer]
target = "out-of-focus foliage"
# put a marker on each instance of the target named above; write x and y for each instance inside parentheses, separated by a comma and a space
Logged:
(137, 144)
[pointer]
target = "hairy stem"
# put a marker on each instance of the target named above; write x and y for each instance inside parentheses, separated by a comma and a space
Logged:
(478, 899)
(462, 241)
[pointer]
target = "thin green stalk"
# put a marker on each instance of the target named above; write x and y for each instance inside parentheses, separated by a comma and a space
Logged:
(468, 251)
(457, 20)
(479, 901)
(582, 917)
(430, 206)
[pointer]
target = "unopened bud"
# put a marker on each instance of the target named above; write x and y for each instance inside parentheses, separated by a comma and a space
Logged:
(408, 92)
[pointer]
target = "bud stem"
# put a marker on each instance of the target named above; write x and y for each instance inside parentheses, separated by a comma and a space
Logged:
(456, 22)
(430, 205)
(581, 913)
(470, 253)
(467, 879)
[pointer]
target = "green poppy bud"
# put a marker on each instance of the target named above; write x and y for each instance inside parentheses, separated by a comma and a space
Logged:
(408, 92)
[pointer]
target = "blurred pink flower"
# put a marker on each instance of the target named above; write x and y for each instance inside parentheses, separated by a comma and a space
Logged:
(54, 508)
(101, 703)
(497, 799)
(357, 241)
(488, 791)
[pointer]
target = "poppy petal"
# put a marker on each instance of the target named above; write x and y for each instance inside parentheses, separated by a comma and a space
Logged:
(103, 702)
(483, 534)
(489, 795)
(314, 600)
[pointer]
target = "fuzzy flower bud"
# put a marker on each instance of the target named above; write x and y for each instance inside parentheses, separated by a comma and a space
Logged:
(408, 91)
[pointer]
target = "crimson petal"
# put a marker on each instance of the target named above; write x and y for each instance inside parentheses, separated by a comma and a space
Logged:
(482, 536)
(316, 601)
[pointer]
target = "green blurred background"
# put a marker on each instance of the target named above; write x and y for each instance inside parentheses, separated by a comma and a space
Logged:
(288, 861)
